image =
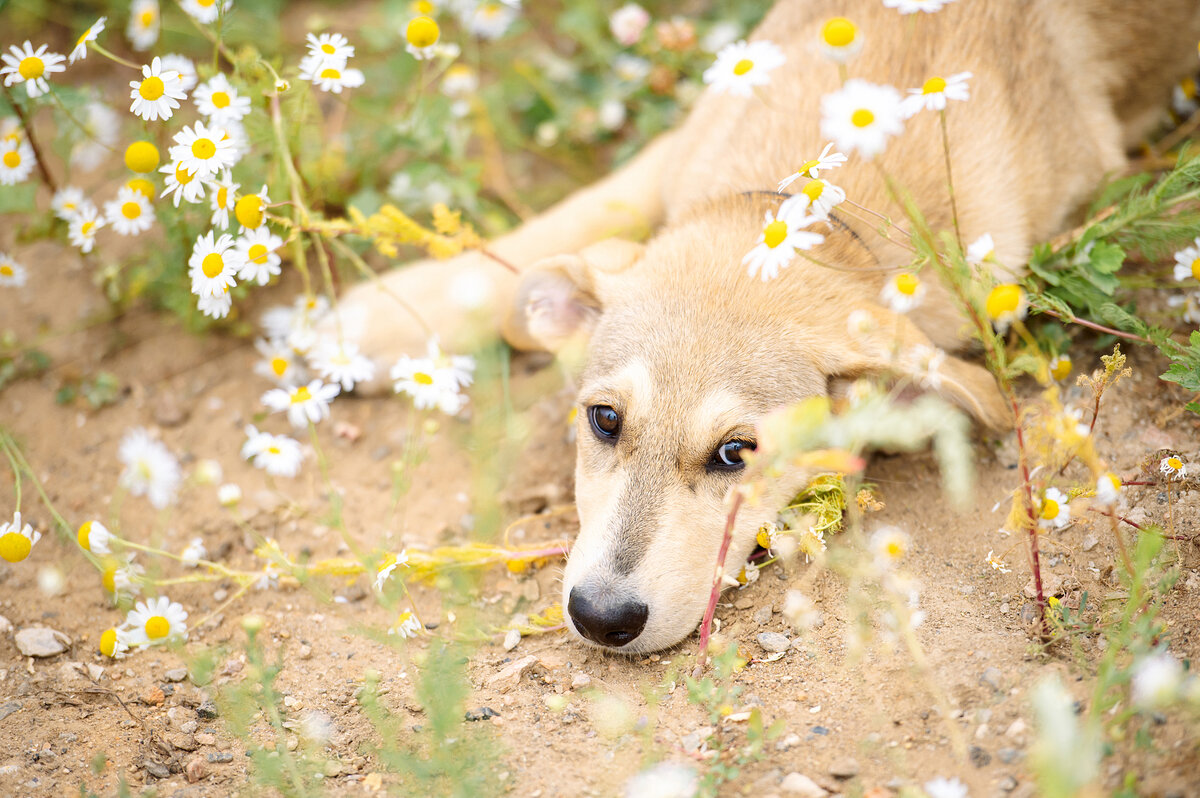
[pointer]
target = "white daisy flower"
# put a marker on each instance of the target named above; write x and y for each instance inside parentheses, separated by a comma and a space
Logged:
(821, 197)
(94, 536)
(782, 235)
(340, 362)
(1108, 490)
(130, 214)
(903, 292)
(79, 52)
(664, 780)
(823, 162)
(330, 77)
(229, 494)
(940, 787)
(68, 201)
(742, 66)
(215, 306)
(303, 403)
(923, 363)
(203, 150)
(997, 563)
(932, 96)
(17, 539)
(630, 68)
(155, 621)
(114, 643)
(194, 552)
(213, 264)
(143, 26)
(205, 11)
(278, 455)
(122, 578)
(981, 249)
(389, 564)
(890, 544)
(101, 125)
(459, 368)
(1173, 468)
(627, 24)
(1054, 512)
(157, 94)
(840, 40)
(422, 34)
(184, 66)
(25, 65)
(218, 100)
(488, 19)
(330, 48)
(1184, 98)
(181, 184)
(460, 81)
(12, 274)
(861, 116)
(224, 196)
(83, 226)
(1191, 306)
(1187, 263)
(257, 250)
(150, 469)
(16, 162)
(434, 381)
(280, 363)
(1156, 681)
(406, 626)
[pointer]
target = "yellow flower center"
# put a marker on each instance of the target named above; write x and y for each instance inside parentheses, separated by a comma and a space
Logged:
(775, 233)
(86, 228)
(1049, 509)
(331, 73)
(328, 48)
(804, 170)
(14, 546)
(212, 265)
(743, 66)
(258, 253)
(1003, 299)
(838, 32)
(131, 210)
(109, 579)
(1196, 268)
(862, 118)
(108, 642)
(152, 88)
(894, 549)
(1188, 87)
(1112, 480)
(204, 148)
(423, 7)
(146, 18)
(1060, 368)
(763, 538)
(813, 190)
(12, 159)
(6, 270)
(248, 211)
(279, 365)
(157, 627)
(934, 86)
(907, 283)
(31, 67)
(422, 32)
(273, 450)
(205, 3)
(421, 378)
(301, 395)
(220, 99)
(222, 197)
(142, 186)
(1174, 463)
(183, 176)
(83, 535)
(83, 38)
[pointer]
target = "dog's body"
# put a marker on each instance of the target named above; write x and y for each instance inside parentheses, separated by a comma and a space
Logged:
(686, 353)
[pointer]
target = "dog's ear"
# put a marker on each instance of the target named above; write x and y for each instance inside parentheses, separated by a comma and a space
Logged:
(560, 298)
(892, 344)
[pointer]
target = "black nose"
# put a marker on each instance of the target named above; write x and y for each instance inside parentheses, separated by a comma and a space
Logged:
(612, 623)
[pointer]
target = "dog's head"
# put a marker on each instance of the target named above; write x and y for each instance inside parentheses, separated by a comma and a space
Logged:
(679, 357)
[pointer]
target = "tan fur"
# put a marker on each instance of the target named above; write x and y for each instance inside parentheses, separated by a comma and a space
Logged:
(676, 330)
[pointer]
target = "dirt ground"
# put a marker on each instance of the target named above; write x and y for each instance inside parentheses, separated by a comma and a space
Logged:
(850, 727)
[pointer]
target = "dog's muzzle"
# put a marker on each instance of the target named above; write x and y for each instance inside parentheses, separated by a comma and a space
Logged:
(609, 621)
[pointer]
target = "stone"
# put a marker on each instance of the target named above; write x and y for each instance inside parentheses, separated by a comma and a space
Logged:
(5, 625)
(153, 696)
(844, 769)
(773, 642)
(206, 738)
(1015, 729)
(978, 757)
(170, 411)
(1090, 542)
(1008, 784)
(41, 641)
(483, 713)
(8, 708)
(176, 674)
(762, 616)
(510, 676)
(219, 757)
(580, 681)
(1008, 755)
(512, 638)
(306, 651)
(993, 678)
(195, 769)
(156, 769)
(207, 710)
(184, 742)
(799, 784)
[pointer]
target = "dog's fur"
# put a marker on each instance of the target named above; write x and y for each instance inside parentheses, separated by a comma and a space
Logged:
(692, 352)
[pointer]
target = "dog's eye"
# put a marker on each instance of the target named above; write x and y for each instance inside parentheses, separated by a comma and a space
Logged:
(606, 422)
(729, 454)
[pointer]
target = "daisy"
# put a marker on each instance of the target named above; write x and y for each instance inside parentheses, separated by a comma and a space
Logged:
(1156, 680)
(157, 94)
(279, 362)
(205, 11)
(304, 404)
(489, 20)
(340, 361)
(130, 214)
(932, 96)
(903, 292)
(228, 495)
(924, 364)
(218, 100)
(767, 535)
(741, 66)
(80, 51)
(1060, 367)
(1054, 512)
(213, 265)
(114, 643)
(12, 274)
(1005, 304)
(981, 249)
(840, 40)
(1173, 468)
(30, 67)
(330, 77)
(93, 536)
(260, 261)
(782, 235)
(67, 202)
(16, 162)
(823, 162)
(406, 625)
(248, 210)
(83, 226)
(215, 306)
(142, 186)
(389, 564)
(194, 551)
(460, 81)
(17, 539)
(330, 48)
(628, 23)
(459, 368)
(101, 126)
(821, 197)
(122, 578)
(278, 455)
(940, 787)
(861, 116)
(1187, 262)
(141, 157)
(142, 29)
(630, 69)
(997, 563)
(889, 544)
(157, 620)
(422, 35)
(150, 469)
(1108, 489)
(184, 66)
(1190, 304)
(181, 184)
(203, 151)
(434, 381)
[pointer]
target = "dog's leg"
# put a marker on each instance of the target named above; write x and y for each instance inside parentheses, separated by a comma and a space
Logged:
(627, 202)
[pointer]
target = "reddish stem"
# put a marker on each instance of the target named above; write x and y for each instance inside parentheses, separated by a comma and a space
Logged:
(718, 579)
(1138, 526)
(1091, 325)
(1034, 552)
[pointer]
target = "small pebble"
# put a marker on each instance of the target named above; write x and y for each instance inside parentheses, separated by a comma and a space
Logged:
(993, 678)
(176, 674)
(844, 769)
(799, 784)
(773, 641)
(512, 638)
(219, 757)
(580, 680)
(207, 710)
(979, 757)
(195, 769)
(1008, 784)
(40, 641)
(156, 769)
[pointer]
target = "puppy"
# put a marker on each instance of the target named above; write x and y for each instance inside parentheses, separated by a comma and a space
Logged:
(684, 353)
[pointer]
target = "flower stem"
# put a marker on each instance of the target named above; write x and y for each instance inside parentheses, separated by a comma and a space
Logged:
(950, 178)
(27, 128)
(718, 579)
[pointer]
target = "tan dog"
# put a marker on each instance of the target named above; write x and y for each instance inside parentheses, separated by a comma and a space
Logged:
(685, 353)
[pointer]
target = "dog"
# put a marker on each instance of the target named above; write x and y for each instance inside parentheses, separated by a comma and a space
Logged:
(683, 353)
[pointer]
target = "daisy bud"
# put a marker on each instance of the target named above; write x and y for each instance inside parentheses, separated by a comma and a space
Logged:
(1005, 304)
(1060, 367)
(141, 157)
(840, 40)
(282, 86)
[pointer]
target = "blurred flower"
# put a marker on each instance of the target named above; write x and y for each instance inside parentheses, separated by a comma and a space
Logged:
(664, 780)
(722, 33)
(782, 236)
(861, 116)
(213, 264)
(278, 455)
(823, 162)
(17, 539)
(742, 66)
(25, 65)
(1060, 367)
(207, 472)
(257, 251)
(340, 362)
(912, 7)
(304, 403)
(218, 100)
(279, 362)
(840, 40)
(1184, 98)
(800, 611)
(205, 11)
(941, 787)
(821, 197)
(12, 274)
(460, 81)
(1191, 306)
(422, 35)
(83, 226)
(130, 214)
(434, 381)
(329, 48)
(16, 162)
(67, 202)
(150, 469)
(889, 544)
(142, 29)
(612, 114)
(194, 551)
(1108, 489)
(100, 126)
(1005, 304)
(406, 625)
(1173, 468)
(630, 68)
(997, 563)
(79, 52)
(1156, 681)
(627, 24)
(903, 292)
(224, 195)
(1054, 512)
(332, 78)
(923, 363)
(181, 184)
(389, 564)
(184, 67)
(1187, 262)
(677, 34)
(932, 96)
(93, 536)
(860, 323)
(157, 94)
(981, 249)
(229, 494)
(155, 621)
(122, 578)
(141, 157)
(488, 19)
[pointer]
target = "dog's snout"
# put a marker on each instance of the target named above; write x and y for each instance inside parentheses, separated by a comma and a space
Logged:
(607, 622)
